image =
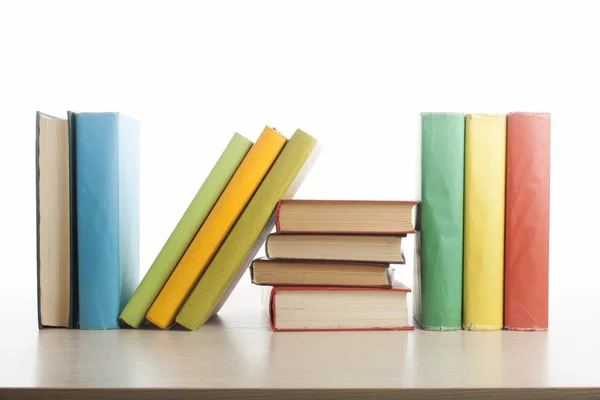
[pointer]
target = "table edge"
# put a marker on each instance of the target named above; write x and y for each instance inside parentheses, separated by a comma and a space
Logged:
(300, 393)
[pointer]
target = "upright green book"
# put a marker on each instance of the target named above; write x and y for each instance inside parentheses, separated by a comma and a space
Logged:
(249, 232)
(135, 311)
(439, 240)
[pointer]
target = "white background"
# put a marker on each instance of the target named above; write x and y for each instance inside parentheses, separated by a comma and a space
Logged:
(353, 74)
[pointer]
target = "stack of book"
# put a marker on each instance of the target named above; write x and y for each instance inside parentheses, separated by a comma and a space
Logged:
(329, 265)
(88, 224)
(482, 246)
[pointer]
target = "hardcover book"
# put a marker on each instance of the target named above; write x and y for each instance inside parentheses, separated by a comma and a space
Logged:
(438, 269)
(324, 247)
(305, 308)
(215, 229)
(346, 216)
(185, 230)
(56, 224)
(264, 271)
(527, 221)
(107, 189)
(250, 231)
(485, 171)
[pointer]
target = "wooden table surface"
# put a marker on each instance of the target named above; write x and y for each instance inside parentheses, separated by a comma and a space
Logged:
(236, 355)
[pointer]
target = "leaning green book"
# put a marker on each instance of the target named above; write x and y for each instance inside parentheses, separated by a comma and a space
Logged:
(250, 231)
(135, 311)
(439, 240)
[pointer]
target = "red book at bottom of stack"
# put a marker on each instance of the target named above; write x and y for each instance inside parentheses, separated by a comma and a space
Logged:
(311, 308)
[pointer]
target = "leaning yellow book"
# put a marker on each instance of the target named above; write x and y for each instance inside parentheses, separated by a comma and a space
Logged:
(222, 217)
(483, 269)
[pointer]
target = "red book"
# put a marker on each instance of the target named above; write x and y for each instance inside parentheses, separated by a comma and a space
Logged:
(306, 308)
(527, 221)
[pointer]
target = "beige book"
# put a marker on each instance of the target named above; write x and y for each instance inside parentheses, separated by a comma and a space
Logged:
(362, 248)
(305, 308)
(320, 273)
(53, 221)
(347, 216)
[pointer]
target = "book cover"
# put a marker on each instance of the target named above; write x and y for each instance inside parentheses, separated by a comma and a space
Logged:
(485, 166)
(56, 235)
(439, 243)
(135, 311)
(527, 221)
(272, 315)
(250, 231)
(222, 217)
(107, 185)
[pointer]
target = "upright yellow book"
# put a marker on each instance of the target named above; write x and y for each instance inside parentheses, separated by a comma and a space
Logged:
(222, 217)
(483, 269)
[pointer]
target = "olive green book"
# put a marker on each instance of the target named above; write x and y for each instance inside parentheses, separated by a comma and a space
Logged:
(135, 311)
(439, 240)
(249, 232)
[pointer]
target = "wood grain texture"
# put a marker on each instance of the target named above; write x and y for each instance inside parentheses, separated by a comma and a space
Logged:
(236, 355)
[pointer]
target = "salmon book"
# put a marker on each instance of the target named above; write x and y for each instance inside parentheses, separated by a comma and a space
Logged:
(527, 221)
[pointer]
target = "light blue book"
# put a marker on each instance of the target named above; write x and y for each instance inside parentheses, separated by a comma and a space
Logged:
(107, 198)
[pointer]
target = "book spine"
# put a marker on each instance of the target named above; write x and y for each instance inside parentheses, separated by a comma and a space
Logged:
(527, 221)
(97, 220)
(271, 308)
(278, 217)
(439, 243)
(74, 285)
(485, 162)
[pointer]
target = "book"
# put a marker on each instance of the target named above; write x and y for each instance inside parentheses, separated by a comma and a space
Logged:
(527, 221)
(249, 232)
(325, 247)
(305, 308)
(135, 311)
(264, 271)
(56, 239)
(438, 272)
(222, 217)
(485, 172)
(107, 190)
(346, 216)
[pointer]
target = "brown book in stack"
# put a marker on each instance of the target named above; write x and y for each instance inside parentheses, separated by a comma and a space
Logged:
(329, 265)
